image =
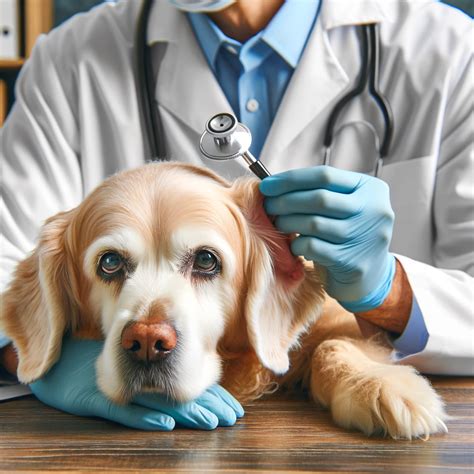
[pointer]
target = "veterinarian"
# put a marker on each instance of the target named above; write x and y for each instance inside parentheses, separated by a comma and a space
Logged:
(398, 248)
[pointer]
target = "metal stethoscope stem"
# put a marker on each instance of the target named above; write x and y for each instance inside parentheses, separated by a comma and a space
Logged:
(226, 139)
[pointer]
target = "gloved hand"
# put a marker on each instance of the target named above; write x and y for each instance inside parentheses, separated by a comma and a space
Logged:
(71, 386)
(345, 223)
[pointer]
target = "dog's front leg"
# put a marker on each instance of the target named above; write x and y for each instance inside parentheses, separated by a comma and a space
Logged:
(363, 390)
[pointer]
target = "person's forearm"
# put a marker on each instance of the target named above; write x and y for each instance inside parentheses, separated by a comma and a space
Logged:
(395, 311)
(8, 359)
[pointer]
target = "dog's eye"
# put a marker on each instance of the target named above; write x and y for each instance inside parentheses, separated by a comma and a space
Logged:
(205, 262)
(111, 263)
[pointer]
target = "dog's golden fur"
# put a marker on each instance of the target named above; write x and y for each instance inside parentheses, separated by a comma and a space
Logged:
(329, 358)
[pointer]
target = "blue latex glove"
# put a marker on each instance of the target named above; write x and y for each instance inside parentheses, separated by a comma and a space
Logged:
(345, 223)
(71, 386)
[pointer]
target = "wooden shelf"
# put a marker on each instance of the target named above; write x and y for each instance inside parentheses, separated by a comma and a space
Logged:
(11, 63)
(37, 19)
(3, 101)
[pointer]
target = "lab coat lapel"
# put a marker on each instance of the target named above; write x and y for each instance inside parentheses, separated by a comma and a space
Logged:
(317, 80)
(319, 77)
(185, 85)
(336, 13)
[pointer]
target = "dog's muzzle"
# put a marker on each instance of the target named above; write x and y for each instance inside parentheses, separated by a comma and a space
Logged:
(149, 355)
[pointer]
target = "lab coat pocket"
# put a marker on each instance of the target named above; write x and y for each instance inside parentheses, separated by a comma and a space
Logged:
(411, 193)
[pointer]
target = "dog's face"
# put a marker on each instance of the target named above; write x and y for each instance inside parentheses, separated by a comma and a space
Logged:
(162, 262)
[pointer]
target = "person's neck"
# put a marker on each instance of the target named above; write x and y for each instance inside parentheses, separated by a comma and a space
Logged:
(245, 18)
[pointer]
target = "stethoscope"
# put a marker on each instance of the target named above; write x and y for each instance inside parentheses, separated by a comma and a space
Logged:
(224, 138)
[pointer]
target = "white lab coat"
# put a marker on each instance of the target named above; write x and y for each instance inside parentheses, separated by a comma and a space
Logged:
(77, 120)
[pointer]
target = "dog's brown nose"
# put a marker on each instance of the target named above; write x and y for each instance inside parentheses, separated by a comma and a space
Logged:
(149, 341)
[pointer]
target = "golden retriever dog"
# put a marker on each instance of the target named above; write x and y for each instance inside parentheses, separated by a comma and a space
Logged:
(186, 279)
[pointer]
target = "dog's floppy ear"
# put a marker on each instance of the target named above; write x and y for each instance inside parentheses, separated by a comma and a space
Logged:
(284, 293)
(35, 308)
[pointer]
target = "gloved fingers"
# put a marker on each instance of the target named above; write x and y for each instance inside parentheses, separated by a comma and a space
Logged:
(228, 398)
(189, 414)
(316, 201)
(311, 248)
(324, 177)
(133, 416)
(336, 231)
(220, 402)
(224, 413)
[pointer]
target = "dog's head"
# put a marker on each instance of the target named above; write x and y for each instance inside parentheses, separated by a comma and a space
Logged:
(163, 262)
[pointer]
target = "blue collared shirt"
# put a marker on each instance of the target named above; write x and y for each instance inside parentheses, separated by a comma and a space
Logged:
(254, 75)
(415, 336)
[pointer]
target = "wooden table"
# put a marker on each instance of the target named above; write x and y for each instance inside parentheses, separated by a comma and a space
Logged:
(276, 435)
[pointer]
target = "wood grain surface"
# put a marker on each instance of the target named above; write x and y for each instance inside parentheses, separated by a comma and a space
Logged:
(276, 435)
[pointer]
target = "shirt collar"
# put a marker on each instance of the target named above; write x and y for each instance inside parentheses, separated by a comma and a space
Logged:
(287, 32)
(209, 36)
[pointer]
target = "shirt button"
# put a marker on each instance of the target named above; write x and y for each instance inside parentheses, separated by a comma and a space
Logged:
(252, 105)
(231, 49)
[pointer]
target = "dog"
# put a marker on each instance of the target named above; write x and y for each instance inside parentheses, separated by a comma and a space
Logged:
(189, 283)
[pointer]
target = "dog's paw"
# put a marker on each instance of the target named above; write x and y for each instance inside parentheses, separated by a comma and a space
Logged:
(393, 400)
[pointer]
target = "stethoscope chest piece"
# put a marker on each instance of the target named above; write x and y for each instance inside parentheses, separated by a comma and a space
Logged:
(225, 138)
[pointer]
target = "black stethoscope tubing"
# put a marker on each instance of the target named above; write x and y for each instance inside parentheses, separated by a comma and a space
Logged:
(368, 78)
(151, 115)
